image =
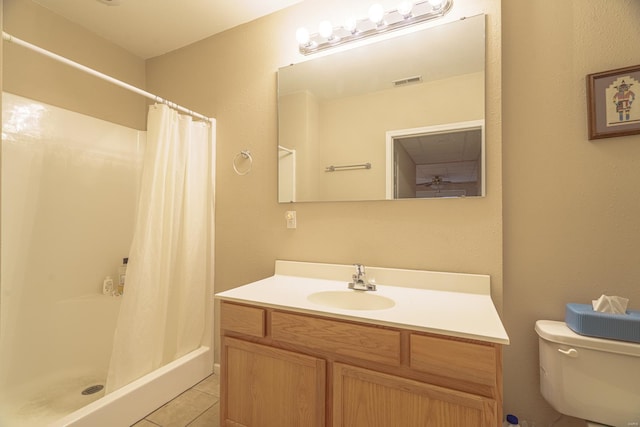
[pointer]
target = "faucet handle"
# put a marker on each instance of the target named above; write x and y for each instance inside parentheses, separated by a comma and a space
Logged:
(359, 269)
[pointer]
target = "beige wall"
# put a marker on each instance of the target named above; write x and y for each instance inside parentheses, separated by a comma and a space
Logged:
(571, 206)
(34, 76)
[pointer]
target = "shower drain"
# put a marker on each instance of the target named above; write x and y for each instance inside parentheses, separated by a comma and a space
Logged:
(93, 389)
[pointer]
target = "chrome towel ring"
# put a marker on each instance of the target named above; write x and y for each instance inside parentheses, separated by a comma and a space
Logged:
(242, 157)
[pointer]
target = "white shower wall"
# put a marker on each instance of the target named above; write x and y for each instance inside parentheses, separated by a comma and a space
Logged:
(69, 194)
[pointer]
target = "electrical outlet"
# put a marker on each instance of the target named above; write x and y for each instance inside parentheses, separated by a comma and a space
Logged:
(291, 219)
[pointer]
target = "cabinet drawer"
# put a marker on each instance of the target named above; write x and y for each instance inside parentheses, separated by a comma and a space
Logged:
(466, 361)
(242, 319)
(346, 339)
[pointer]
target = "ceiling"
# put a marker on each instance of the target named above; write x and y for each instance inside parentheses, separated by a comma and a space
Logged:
(149, 28)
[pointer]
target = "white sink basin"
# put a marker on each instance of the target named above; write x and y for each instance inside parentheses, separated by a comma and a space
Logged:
(351, 300)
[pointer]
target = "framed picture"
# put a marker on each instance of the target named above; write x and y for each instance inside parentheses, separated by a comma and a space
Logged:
(614, 102)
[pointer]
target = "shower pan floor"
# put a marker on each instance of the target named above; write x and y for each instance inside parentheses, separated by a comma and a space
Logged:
(43, 402)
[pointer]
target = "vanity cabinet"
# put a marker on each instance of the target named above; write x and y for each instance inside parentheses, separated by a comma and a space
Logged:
(282, 368)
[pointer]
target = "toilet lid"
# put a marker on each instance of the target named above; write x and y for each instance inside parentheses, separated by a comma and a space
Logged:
(560, 333)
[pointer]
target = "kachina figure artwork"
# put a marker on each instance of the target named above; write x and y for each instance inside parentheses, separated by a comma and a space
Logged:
(614, 106)
(622, 98)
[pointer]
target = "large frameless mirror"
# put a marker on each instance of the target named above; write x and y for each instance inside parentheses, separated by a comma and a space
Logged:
(336, 112)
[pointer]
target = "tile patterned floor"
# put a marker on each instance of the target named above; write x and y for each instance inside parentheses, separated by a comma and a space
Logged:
(197, 407)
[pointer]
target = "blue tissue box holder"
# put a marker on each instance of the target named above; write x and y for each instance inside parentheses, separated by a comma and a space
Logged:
(583, 320)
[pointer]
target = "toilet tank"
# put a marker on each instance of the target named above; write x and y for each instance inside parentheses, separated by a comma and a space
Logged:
(589, 378)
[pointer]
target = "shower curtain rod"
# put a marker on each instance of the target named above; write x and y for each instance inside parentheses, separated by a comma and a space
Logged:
(156, 98)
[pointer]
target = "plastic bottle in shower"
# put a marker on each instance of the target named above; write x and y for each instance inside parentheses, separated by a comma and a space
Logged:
(107, 286)
(122, 275)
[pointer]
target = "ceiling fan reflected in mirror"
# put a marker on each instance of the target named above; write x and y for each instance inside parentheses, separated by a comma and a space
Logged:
(437, 183)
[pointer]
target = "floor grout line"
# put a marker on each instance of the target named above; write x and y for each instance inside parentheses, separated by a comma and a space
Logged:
(212, 394)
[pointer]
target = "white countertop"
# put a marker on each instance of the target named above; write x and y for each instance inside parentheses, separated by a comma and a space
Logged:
(465, 314)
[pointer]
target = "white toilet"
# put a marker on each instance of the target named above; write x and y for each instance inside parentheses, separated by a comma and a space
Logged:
(597, 380)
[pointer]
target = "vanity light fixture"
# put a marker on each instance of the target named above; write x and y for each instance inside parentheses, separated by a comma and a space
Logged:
(379, 21)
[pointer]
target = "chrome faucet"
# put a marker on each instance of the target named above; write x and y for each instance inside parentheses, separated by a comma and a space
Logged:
(360, 282)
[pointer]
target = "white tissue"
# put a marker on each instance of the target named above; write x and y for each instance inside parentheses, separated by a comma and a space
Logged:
(610, 304)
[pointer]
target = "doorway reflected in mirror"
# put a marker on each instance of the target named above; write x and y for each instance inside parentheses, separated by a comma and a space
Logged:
(436, 161)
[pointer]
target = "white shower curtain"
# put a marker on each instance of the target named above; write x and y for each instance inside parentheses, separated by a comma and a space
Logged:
(163, 308)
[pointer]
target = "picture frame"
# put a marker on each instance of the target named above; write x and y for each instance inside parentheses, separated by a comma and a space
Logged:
(613, 99)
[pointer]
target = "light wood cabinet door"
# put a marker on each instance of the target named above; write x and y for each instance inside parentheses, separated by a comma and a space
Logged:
(269, 387)
(364, 398)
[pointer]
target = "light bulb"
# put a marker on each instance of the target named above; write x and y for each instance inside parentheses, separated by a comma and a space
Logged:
(435, 3)
(302, 35)
(376, 13)
(351, 25)
(325, 29)
(404, 8)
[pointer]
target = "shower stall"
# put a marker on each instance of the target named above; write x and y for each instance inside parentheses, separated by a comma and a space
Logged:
(70, 195)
